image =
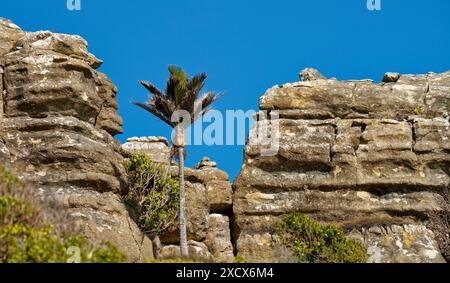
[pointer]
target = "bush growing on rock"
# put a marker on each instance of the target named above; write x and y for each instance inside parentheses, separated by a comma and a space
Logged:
(26, 235)
(316, 243)
(153, 194)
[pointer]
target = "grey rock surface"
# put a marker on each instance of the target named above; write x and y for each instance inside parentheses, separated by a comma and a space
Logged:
(57, 121)
(354, 154)
(310, 74)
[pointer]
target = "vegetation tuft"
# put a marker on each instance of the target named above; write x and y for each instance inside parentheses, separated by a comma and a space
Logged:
(153, 194)
(31, 234)
(316, 243)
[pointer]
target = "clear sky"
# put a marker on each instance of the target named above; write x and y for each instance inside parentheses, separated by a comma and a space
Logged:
(246, 46)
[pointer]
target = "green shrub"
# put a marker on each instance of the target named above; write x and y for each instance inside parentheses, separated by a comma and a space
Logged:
(107, 253)
(26, 235)
(8, 182)
(25, 244)
(153, 194)
(13, 210)
(317, 243)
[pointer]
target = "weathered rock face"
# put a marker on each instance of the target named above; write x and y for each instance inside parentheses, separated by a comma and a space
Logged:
(197, 209)
(218, 238)
(57, 121)
(399, 243)
(372, 159)
(9, 34)
(208, 205)
(156, 148)
(197, 252)
(362, 156)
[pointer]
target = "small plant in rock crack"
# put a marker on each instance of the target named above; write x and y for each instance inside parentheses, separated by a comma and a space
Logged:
(153, 194)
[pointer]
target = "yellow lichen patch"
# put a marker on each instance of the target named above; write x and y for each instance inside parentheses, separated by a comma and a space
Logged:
(417, 110)
(408, 239)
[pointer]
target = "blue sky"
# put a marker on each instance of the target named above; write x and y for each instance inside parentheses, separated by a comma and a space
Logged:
(246, 46)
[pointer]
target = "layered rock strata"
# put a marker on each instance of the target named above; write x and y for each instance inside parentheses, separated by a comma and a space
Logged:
(208, 206)
(58, 116)
(371, 158)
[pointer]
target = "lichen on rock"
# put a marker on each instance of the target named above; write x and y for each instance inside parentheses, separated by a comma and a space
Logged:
(355, 154)
(57, 121)
(371, 159)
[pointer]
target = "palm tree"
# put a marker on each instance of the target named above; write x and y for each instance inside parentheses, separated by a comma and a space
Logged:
(182, 94)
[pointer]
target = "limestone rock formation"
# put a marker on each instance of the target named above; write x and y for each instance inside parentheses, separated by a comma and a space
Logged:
(205, 162)
(366, 157)
(391, 77)
(208, 206)
(218, 238)
(197, 211)
(9, 34)
(310, 74)
(58, 117)
(197, 252)
(373, 159)
(155, 147)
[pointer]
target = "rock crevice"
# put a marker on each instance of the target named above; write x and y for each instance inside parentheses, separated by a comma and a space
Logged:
(208, 205)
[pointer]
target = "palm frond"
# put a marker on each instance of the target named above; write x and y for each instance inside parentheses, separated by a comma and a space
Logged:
(163, 105)
(158, 100)
(209, 98)
(182, 93)
(206, 104)
(193, 88)
(196, 83)
(170, 89)
(178, 73)
(155, 112)
(151, 88)
(176, 84)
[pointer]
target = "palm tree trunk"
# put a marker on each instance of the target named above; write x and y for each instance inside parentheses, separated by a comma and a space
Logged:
(183, 236)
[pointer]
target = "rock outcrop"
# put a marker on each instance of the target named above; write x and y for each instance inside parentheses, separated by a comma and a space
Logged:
(208, 206)
(373, 159)
(156, 148)
(58, 116)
